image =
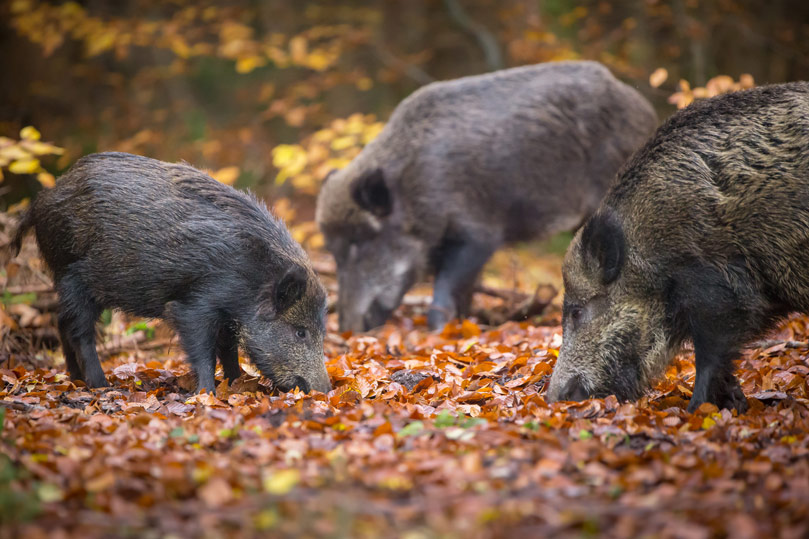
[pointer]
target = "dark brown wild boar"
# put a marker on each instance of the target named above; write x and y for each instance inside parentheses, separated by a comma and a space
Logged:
(703, 237)
(467, 165)
(166, 240)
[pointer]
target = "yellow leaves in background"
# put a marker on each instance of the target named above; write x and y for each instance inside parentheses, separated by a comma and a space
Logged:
(298, 49)
(27, 165)
(46, 179)
(226, 175)
(30, 133)
(686, 95)
(289, 159)
(658, 77)
(717, 85)
(249, 63)
(22, 157)
(188, 33)
(305, 165)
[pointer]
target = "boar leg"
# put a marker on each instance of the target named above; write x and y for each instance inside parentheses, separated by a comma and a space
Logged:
(455, 279)
(197, 326)
(718, 323)
(71, 361)
(715, 382)
(227, 348)
(77, 317)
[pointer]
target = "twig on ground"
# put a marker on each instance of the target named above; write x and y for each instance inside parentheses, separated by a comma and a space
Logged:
(775, 342)
(135, 344)
(20, 406)
(534, 305)
(30, 289)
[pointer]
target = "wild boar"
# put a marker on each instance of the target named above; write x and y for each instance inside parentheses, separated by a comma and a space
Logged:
(463, 167)
(704, 236)
(166, 240)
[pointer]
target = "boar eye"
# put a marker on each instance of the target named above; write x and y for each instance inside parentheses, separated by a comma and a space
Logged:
(575, 313)
(301, 333)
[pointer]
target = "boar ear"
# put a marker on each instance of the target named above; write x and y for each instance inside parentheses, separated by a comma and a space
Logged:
(371, 193)
(328, 175)
(290, 289)
(603, 241)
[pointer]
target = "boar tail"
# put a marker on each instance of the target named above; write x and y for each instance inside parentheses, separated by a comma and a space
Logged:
(26, 222)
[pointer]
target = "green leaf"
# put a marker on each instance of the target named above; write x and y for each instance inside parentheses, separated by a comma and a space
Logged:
(141, 326)
(177, 432)
(48, 492)
(14, 299)
(444, 419)
(412, 429)
(472, 422)
(585, 434)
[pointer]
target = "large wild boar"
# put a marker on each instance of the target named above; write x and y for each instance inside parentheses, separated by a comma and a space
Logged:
(166, 240)
(467, 165)
(704, 236)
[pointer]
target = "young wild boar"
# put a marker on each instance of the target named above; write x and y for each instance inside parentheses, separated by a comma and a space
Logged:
(166, 240)
(465, 166)
(704, 236)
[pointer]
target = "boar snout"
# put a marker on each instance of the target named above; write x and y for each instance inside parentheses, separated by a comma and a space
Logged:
(318, 382)
(321, 384)
(573, 390)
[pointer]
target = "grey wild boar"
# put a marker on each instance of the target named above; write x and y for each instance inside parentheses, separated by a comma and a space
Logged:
(467, 165)
(166, 240)
(704, 237)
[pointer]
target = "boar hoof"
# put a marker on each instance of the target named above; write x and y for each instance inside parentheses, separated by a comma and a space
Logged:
(731, 397)
(97, 383)
(436, 320)
(734, 398)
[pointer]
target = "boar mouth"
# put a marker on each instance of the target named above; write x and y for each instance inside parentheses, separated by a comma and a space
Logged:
(574, 390)
(623, 382)
(297, 381)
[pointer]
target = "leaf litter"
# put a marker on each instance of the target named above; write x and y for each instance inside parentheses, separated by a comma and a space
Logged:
(424, 435)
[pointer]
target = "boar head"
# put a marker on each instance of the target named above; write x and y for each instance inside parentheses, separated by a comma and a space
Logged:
(378, 256)
(614, 336)
(284, 334)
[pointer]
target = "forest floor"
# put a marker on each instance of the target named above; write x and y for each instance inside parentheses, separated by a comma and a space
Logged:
(424, 435)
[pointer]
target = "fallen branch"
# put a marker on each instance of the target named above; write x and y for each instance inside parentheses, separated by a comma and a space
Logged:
(534, 305)
(46, 304)
(787, 344)
(135, 344)
(511, 295)
(20, 406)
(523, 309)
(30, 289)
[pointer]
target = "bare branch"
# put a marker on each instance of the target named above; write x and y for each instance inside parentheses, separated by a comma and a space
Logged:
(487, 41)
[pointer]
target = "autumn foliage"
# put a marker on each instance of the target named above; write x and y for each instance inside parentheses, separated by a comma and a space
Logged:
(425, 434)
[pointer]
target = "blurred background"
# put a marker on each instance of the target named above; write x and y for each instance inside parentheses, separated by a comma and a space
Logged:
(271, 95)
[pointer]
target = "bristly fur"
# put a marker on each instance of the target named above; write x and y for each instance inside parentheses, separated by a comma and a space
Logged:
(715, 214)
(466, 165)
